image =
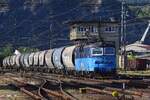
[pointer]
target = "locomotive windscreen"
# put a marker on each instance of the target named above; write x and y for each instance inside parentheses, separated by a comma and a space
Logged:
(97, 51)
(109, 51)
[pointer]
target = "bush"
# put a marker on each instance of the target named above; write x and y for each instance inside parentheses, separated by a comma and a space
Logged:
(27, 49)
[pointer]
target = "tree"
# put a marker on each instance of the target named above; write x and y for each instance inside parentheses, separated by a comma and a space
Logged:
(7, 50)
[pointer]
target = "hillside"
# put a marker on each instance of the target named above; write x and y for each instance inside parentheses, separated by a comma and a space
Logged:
(33, 23)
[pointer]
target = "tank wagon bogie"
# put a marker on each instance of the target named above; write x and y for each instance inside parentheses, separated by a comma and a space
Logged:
(91, 58)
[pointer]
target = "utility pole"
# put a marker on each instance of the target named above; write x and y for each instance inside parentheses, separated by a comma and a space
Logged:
(123, 35)
(50, 39)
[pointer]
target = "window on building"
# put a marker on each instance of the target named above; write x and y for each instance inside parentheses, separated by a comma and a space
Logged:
(110, 29)
(91, 28)
(78, 29)
(95, 29)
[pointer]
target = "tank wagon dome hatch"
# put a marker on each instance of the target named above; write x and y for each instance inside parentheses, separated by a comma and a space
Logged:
(57, 59)
(42, 58)
(48, 59)
(36, 59)
(31, 59)
(17, 52)
(68, 57)
(26, 60)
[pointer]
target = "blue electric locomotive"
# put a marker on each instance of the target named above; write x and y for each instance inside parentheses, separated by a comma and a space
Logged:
(95, 58)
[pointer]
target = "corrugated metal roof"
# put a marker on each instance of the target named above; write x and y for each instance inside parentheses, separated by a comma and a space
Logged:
(137, 47)
(137, 1)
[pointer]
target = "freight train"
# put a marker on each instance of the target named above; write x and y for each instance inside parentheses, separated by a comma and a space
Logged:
(91, 58)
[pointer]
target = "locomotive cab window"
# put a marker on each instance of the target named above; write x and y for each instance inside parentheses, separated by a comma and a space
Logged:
(109, 51)
(97, 51)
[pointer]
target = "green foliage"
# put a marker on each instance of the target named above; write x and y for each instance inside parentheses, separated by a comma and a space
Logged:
(145, 12)
(27, 49)
(6, 51)
(141, 12)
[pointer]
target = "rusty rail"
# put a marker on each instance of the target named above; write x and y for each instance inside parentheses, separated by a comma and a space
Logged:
(31, 94)
(83, 80)
(61, 94)
(110, 90)
(84, 90)
(21, 87)
(53, 93)
(22, 83)
(125, 91)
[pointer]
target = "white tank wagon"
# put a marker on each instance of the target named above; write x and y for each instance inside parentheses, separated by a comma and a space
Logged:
(4, 62)
(42, 58)
(57, 58)
(48, 60)
(26, 60)
(67, 58)
(54, 60)
(36, 59)
(22, 61)
(31, 59)
(17, 60)
(8, 61)
(12, 60)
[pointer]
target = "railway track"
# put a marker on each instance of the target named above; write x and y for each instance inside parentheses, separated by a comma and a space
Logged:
(45, 90)
(138, 81)
(55, 86)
